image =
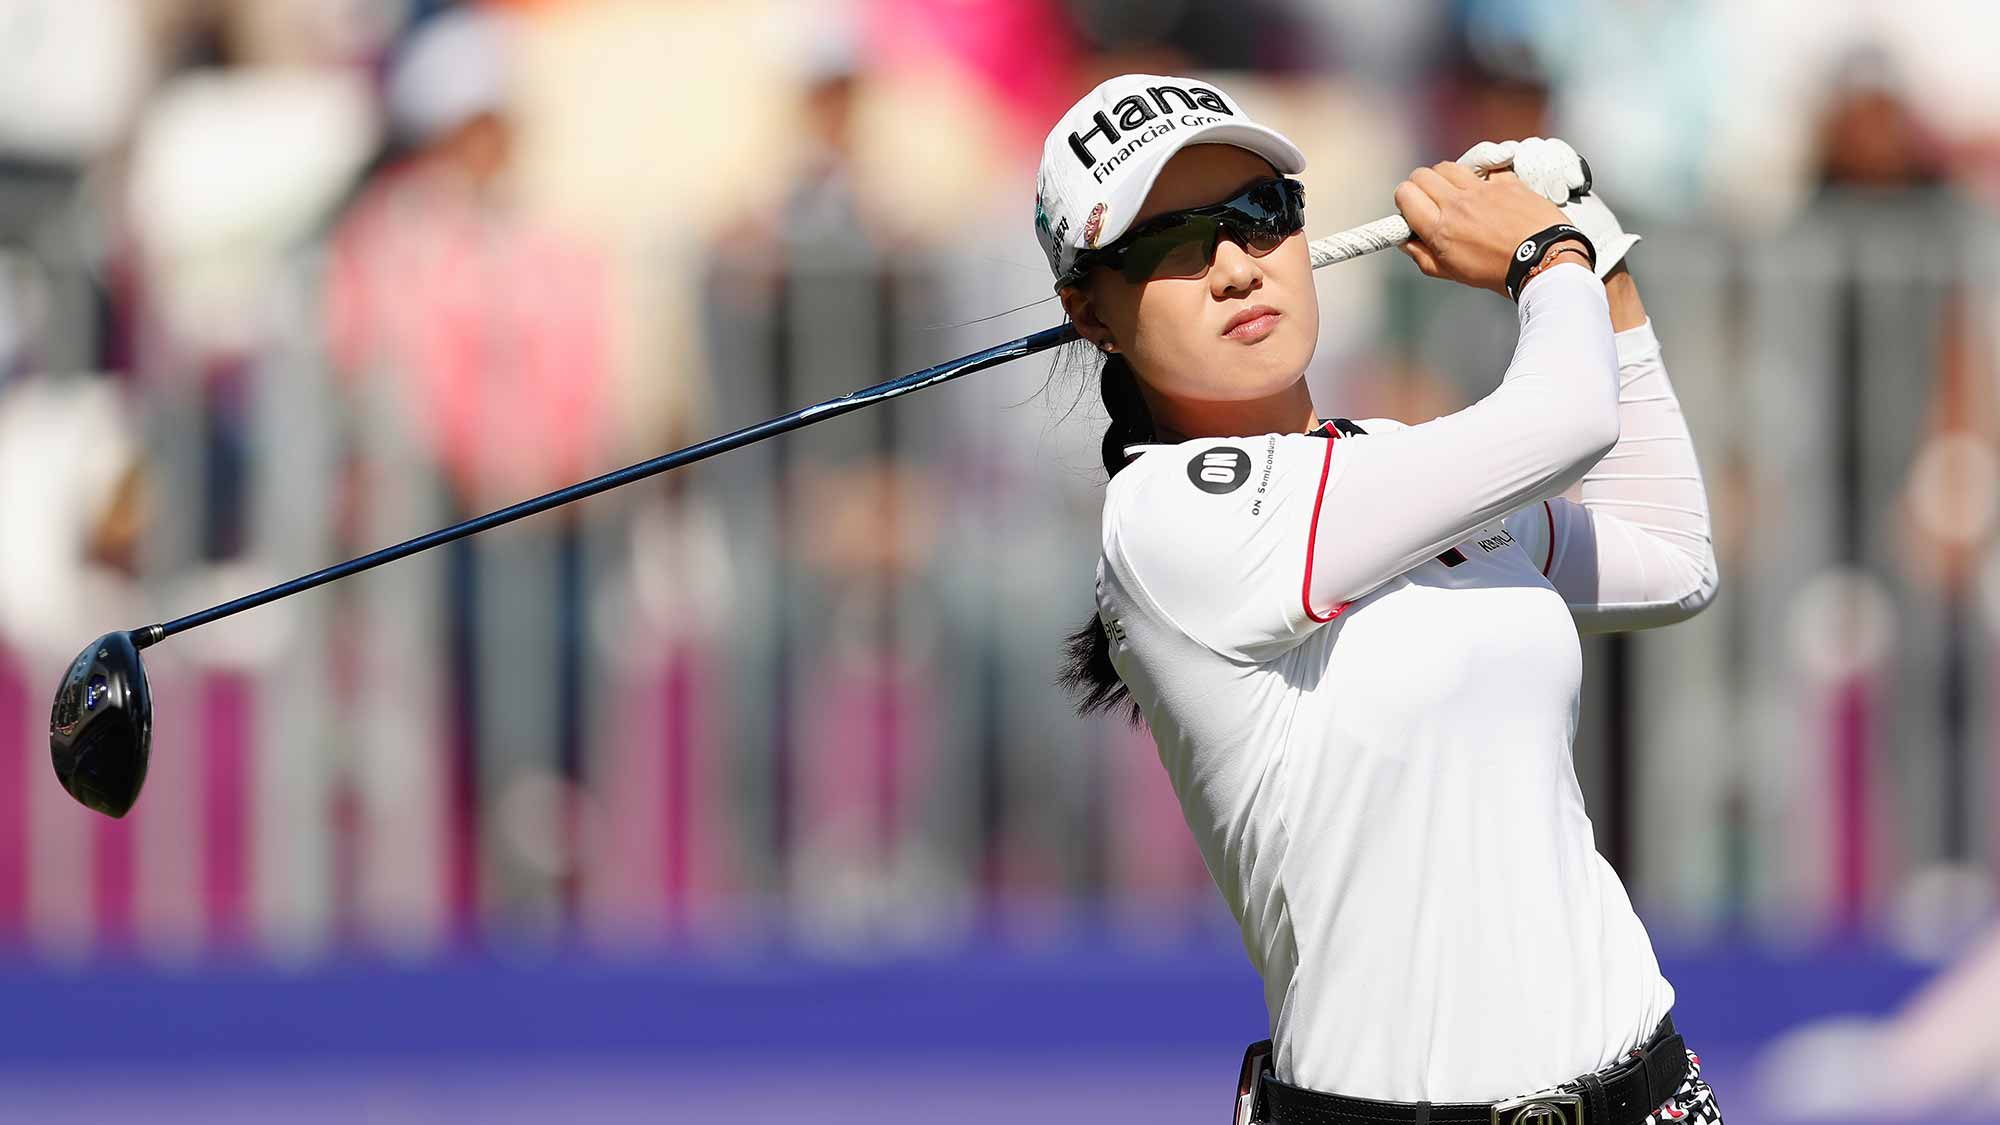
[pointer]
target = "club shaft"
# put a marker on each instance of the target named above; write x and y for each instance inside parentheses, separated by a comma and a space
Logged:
(819, 412)
(1364, 239)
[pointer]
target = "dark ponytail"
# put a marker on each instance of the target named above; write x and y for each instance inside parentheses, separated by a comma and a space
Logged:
(1087, 672)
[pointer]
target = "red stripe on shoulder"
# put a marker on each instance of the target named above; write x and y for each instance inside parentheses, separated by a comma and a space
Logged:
(1549, 556)
(1312, 537)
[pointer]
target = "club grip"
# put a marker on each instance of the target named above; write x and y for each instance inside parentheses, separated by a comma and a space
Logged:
(1364, 239)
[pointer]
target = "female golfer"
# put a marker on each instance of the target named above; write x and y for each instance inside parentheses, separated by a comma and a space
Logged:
(1356, 643)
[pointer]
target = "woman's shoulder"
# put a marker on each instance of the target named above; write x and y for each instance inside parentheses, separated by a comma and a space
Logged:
(1149, 469)
(1217, 465)
(1170, 494)
(1210, 536)
(1177, 487)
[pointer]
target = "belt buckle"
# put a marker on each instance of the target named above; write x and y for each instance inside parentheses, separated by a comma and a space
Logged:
(1250, 1081)
(1540, 1109)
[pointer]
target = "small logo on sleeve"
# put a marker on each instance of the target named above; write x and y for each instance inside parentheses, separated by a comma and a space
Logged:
(1220, 470)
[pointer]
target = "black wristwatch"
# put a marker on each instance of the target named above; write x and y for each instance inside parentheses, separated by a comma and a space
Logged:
(1535, 247)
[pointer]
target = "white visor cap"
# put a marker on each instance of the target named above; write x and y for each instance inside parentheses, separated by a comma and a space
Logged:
(1103, 156)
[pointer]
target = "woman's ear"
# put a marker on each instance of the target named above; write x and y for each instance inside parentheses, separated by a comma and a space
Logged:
(1082, 312)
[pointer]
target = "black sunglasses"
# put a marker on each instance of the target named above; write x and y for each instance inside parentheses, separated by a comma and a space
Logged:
(1182, 243)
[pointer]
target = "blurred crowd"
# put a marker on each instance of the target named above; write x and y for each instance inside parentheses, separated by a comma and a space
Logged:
(285, 280)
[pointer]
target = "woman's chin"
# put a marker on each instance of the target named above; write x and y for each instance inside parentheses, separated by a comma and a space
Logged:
(1249, 374)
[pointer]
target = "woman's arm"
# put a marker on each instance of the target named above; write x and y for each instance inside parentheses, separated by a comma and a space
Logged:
(1305, 525)
(1390, 501)
(1634, 550)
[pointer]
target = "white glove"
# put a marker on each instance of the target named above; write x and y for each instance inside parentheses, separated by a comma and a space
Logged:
(1554, 171)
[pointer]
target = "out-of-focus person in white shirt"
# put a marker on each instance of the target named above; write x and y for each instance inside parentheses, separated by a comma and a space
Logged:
(71, 513)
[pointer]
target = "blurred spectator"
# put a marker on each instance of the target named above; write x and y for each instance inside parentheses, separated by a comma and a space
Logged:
(72, 509)
(1256, 35)
(1500, 93)
(491, 334)
(72, 73)
(838, 281)
(1869, 138)
(231, 173)
(494, 328)
(1905, 435)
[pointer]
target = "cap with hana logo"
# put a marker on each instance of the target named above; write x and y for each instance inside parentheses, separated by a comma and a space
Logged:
(1103, 156)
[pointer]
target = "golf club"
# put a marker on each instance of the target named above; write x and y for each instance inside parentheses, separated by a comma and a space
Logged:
(101, 724)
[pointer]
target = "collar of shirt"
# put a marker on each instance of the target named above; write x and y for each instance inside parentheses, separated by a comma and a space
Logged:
(1327, 428)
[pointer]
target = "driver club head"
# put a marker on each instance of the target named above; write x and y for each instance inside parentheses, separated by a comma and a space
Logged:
(101, 727)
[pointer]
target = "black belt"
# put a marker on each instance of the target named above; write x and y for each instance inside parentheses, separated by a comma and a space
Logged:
(1623, 1094)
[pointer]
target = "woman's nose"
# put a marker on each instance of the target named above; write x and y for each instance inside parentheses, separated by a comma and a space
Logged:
(1234, 271)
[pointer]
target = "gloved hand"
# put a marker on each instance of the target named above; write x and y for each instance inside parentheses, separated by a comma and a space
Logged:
(1554, 170)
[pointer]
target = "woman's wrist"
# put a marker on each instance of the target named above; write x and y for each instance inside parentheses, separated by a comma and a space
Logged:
(1571, 247)
(1557, 254)
(1537, 253)
(1627, 311)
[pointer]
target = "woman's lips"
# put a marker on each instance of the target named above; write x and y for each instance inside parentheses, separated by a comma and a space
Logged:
(1252, 324)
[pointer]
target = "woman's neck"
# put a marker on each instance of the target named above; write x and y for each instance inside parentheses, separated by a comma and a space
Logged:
(1290, 411)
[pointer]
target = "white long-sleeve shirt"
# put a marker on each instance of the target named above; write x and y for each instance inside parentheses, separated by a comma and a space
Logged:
(1358, 655)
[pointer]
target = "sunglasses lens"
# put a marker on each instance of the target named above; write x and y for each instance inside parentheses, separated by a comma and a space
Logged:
(1182, 250)
(1265, 217)
(1260, 219)
(1262, 238)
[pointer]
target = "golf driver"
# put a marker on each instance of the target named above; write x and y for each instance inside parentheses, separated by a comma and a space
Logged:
(101, 725)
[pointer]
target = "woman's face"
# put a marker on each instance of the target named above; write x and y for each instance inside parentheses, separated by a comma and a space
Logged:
(1243, 331)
